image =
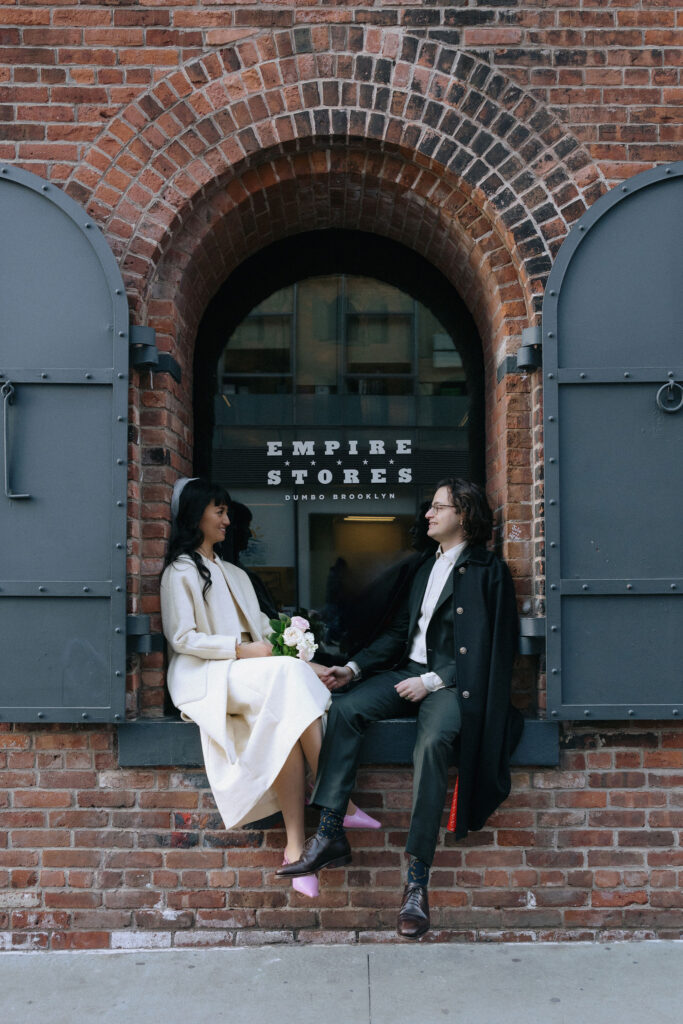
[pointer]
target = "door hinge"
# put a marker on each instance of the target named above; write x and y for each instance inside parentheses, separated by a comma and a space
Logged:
(139, 639)
(532, 635)
(144, 354)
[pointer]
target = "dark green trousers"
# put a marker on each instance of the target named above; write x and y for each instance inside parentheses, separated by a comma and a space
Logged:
(438, 725)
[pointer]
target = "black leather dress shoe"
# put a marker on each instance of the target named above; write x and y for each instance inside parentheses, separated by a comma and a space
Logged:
(319, 852)
(413, 917)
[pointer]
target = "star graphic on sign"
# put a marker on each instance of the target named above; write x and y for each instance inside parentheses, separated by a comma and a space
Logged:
(365, 462)
(391, 462)
(313, 462)
(339, 462)
(287, 463)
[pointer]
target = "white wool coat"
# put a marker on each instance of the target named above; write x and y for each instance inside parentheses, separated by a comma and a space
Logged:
(251, 711)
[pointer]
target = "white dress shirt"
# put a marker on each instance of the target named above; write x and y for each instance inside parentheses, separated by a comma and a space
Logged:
(441, 571)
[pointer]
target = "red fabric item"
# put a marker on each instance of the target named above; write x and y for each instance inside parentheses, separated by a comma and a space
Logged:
(454, 808)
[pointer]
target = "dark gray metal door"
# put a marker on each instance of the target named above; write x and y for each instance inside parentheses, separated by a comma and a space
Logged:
(63, 438)
(613, 394)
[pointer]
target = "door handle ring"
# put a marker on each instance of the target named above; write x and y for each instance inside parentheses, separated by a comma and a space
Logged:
(666, 406)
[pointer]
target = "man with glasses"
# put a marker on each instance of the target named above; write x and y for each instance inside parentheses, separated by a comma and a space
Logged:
(446, 660)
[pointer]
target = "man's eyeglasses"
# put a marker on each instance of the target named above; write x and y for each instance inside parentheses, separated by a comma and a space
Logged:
(437, 507)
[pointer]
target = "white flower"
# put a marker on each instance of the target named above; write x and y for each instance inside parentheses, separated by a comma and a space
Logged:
(306, 647)
(299, 622)
(292, 636)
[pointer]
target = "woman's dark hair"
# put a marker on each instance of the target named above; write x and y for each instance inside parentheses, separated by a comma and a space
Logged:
(185, 533)
(470, 500)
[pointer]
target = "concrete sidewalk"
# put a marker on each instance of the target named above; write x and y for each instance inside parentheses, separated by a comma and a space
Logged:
(632, 982)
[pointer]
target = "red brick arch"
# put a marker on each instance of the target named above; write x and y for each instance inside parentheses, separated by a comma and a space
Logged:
(346, 127)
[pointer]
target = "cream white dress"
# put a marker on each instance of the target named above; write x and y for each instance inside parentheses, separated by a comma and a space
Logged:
(250, 711)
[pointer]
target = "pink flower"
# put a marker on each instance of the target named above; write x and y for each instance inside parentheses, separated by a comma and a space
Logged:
(300, 623)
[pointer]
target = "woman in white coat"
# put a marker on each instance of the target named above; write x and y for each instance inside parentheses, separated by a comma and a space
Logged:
(259, 717)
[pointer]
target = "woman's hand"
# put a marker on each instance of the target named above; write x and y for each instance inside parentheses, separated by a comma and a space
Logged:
(255, 649)
(337, 676)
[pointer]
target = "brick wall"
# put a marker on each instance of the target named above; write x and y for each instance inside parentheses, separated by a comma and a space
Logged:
(96, 857)
(476, 133)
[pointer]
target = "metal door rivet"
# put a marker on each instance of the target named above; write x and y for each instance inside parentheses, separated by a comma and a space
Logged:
(673, 586)
(552, 293)
(582, 375)
(553, 544)
(117, 718)
(120, 419)
(88, 376)
(119, 546)
(554, 671)
(550, 334)
(119, 504)
(117, 629)
(118, 590)
(581, 227)
(585, 586)
(45, 188)
(551, 376)
(670, 374)
(120, 376)
(624, 189)
(119, 462)
(551, 460)
(551, 419)
(118, 291)
(84, 715)
(627, 374)
(88, 224)
(41, 590)
(553, 629)
(675, 711)
(631, 711)
(629, 586)
(553, 586)
(86, 590)
(122, 334)
(117, 673)
(552, 502)
(4, 170)
(587, 713)
(44, 376)
(40, 715)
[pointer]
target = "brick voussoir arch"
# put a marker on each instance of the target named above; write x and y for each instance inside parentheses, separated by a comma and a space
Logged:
(453, 113)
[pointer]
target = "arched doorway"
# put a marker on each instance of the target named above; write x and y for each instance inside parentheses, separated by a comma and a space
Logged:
(338, 376)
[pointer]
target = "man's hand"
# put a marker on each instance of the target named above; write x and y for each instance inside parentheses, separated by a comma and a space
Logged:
(412, 689)
(256, 649)
(337, 676)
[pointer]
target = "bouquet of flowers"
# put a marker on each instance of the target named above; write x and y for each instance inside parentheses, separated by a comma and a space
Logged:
(292, 637)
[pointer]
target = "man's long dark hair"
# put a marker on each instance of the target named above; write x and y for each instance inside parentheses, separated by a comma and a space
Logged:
(185, 533)
(470, 500)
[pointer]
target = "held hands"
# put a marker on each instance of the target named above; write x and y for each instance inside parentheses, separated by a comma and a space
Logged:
(412, 689)
(335, 676)
(256, 649)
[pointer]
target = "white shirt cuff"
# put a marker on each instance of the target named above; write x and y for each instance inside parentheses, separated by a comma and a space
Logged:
(354, 668)
(431, 681)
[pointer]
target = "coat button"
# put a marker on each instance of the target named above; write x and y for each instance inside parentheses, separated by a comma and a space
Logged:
(459, 611)
(461, 570)
(463, 650)
(465, 694)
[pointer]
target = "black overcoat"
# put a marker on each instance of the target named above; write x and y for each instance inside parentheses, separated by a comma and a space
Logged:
(478, 605)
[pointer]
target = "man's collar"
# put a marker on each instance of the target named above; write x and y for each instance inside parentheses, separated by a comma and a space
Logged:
(452, 554)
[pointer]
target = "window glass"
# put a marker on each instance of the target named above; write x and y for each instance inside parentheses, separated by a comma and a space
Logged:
(342, 401)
